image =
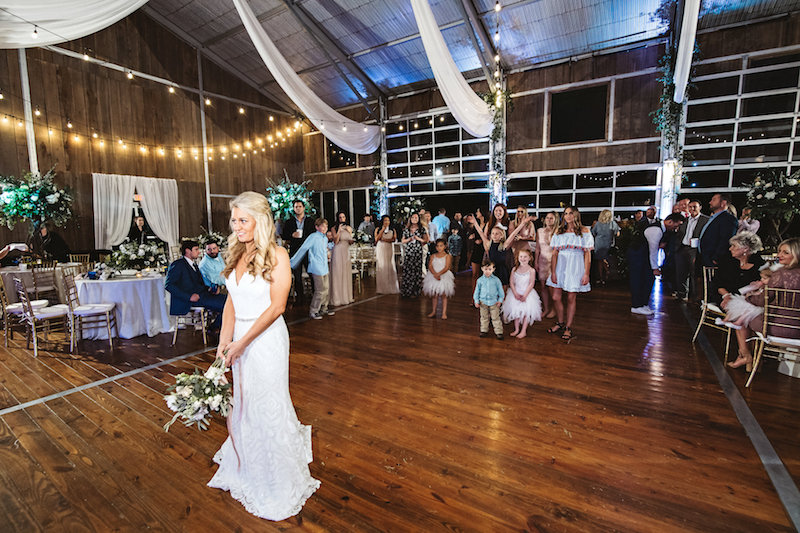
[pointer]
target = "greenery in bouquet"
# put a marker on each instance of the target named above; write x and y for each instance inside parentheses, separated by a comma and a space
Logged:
(363, 238)
(403, 207)
(211, 236)
(775, 200)
(195, 397)
(35, 198)
(281, 198)
(131, 255)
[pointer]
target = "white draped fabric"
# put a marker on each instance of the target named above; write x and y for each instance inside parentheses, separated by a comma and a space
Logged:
(113, 201)
(471, 112)
(113, 197)
(58, 21)
(348, 134)
(160, 205)
(683, 61)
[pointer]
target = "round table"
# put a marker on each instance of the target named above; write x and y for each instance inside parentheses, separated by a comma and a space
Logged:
(141, 305)
(9, 273)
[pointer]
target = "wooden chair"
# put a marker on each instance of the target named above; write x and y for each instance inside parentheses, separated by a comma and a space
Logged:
(11, 313)
(710, 312)
(197, 317)
(44, 320)
(44, 282)
(781, 309)
(79, 258)
(90, 315)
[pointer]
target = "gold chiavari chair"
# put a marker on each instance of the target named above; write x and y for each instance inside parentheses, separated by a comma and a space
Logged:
(87, 315)
(781, 310)
(79, 258)
(11, 312)
(44, 282)
(44, 320)
(197, 318)
(710, 312)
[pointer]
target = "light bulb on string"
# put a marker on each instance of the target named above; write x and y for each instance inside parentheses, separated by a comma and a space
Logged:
(400, 127)
(497, 7)
(35, 34)
(497, 58)
(143, 149)
(208, 101)
(86, 57)
(383, 128)
(120, 142)
(271, 118)
(19, 124)
(365, 129)
(344, 127)
(101, 143)
(171, 90)
(241, 111)
(76, 138)
(296, 124)
(1, 97)
(69, 124)
(497, 36)
(129, 74)
(5, 119)
(49, 131)
(94, 135)
(160, 151)
(322, 125)
(223, 158)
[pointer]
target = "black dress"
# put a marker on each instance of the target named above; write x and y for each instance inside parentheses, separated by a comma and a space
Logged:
(411, 284)
(477, 247)
(731, 277)
(499, 257)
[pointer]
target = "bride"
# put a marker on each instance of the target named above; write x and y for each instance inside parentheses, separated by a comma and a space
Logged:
(264, 461)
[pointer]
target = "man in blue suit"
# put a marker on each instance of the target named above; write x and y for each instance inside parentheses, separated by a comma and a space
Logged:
(185, 285)
(718, 230)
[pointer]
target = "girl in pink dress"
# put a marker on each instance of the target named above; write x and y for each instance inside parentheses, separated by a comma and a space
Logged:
(544, 254)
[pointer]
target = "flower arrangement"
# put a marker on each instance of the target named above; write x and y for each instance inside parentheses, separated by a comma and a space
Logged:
(211, 236)
(775, 200)
(363, 239)
(195, 397)
(403, 207)
(131, 255)
(380, 200)
(34, 197)
(281, 197)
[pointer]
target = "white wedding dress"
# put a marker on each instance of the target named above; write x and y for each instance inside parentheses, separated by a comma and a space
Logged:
(264, 461)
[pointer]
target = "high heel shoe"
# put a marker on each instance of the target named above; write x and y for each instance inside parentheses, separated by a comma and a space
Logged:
(742, 360)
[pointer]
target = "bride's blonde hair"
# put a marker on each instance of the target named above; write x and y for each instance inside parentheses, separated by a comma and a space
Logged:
(265, 257)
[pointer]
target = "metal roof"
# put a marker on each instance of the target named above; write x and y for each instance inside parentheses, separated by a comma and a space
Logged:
(380, 37)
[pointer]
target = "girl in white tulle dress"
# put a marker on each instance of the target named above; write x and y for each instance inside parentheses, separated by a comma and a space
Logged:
(264, 461)
(439, 282)
(522, 303)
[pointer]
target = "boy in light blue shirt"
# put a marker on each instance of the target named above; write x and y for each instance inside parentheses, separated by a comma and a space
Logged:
(488, 296)
(316, 246)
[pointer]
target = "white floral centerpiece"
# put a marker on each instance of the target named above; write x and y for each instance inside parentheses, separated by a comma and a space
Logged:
(35, 198)
(282, 196)
(133, 256)
(363, 239)
(195, 397)
(402, 208)
(775, 201)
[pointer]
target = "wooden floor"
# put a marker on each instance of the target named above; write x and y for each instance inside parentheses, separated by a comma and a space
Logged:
(418, 425)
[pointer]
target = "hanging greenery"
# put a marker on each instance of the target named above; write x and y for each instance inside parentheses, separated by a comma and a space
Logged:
(282, 195)
(34, 198)
(775, 200)
(497, 100)
(669, 114)
(380, 202)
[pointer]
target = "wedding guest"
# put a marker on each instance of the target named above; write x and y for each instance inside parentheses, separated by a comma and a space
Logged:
(638, 216)
(522, 303)
(458, 223)
(487, 296)
(643, 261)
(430, 227)
(49, 245)
(496, 247)
(686, 258)
(454, 246)
(341, 278)
(738, 268)
(294, 232)
(139, 232)
(526, 239)
(439, 282)
(544, 256)
(604, 233)
(787, 276)
(682, 205)
(442, 223)
(367, 226)
(650, 215)
(11, 247)
(572, 248)
(746, 223)
(315, 246)
(717, 231)
(385, 270)
(414, 238)
(499, 217)
(186, 287)
(476, 243)
(211, 266)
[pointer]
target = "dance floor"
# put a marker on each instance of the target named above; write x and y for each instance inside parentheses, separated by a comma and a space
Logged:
(418, 425)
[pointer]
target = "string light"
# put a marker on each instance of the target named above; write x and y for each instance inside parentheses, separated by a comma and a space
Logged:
(129, 74)
(69, 123)
(497, 7)
(241, 111)
(49, 131)
(271, 118)
(101, 143)
(76, 138)
(344, 127)
(171, 90)
(497, 36)
(86, 57)
(37, 112)
(208, 101)
(19, 123)
(35, 34)
(1, 95)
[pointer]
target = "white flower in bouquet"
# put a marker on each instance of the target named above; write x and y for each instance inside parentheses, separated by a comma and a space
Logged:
(768, 185)
(52, 198)
(406, 209)
(792, 181)
(141, 252)
(194, 398)
(770, 195)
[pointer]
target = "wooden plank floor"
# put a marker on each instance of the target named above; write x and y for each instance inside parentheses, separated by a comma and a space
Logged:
(418, 425)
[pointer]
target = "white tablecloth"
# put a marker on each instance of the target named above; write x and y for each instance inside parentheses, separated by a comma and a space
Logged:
(141, 305)
(9, 273)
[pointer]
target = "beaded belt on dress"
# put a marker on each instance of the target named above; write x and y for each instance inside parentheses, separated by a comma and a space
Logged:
(244, 319)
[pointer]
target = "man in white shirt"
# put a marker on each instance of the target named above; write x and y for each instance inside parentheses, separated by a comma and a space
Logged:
(688, 237)
(643, 261)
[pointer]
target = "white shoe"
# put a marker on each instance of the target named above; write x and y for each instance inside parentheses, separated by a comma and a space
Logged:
(643, 310)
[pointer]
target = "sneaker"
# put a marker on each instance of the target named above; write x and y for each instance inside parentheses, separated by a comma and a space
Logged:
(315, 316)
(499, 336)
(328, 312)
(643, 310)
(483, 334)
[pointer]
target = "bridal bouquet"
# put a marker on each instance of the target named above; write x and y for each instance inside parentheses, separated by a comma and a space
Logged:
(194, 397)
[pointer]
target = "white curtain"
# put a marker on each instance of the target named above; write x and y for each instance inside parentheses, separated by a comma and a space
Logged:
(160, 205)
(58, 21)
(113, 199)
(471, 112)
(683, 61)
(348, 134)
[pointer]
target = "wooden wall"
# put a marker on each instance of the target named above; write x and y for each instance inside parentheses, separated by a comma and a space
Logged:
(98, 99)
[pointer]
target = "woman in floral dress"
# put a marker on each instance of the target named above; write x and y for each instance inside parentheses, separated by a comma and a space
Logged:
(414, 238)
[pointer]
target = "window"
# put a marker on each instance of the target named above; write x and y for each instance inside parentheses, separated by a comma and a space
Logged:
(578, 115)
(340, 158)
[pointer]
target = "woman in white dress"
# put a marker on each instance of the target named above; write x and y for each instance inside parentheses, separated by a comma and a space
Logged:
(264, 461)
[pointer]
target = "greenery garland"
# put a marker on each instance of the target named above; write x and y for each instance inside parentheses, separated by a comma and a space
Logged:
(774, 199)
(36, 198)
